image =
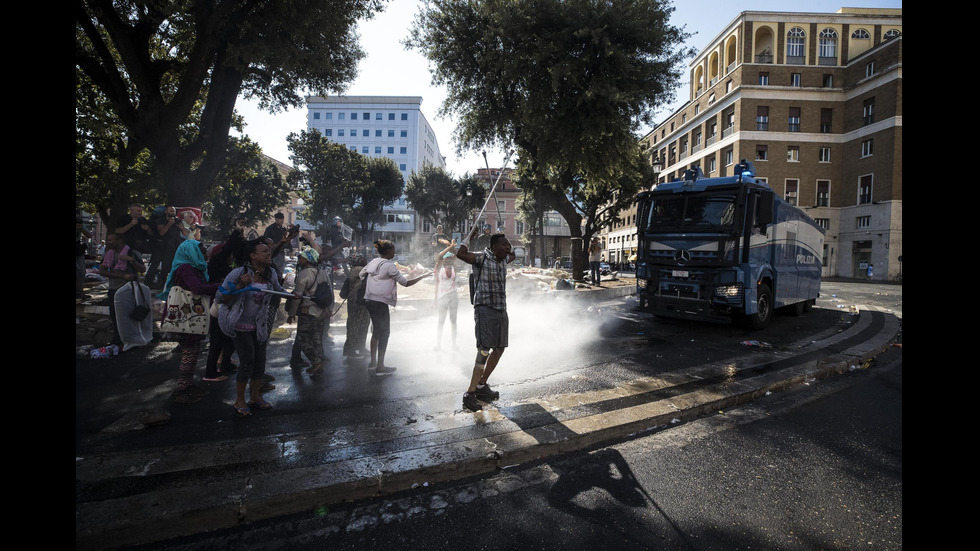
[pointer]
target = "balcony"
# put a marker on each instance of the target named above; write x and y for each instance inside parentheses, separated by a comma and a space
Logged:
(763, 58)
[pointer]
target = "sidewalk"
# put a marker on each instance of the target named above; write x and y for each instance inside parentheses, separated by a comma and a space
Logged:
(329, 443)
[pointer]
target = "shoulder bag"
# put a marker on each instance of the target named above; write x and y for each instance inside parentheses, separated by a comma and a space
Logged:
(185, 312)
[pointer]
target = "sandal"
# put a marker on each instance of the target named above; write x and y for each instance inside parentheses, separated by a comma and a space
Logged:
(260, 405)
(243, 411)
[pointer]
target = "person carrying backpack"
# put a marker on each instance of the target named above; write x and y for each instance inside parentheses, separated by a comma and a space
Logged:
(310, 313)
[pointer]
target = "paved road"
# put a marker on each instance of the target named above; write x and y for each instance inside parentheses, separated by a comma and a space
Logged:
(576, 374)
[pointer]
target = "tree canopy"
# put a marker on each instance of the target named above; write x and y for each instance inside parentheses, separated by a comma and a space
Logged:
(566, 82)
(170, 71)
(442, 199)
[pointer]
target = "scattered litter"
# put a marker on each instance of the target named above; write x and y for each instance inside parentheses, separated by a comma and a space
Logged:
(280, 333)
(674, 421)
(417, 485)
(758, 344)
(768, 393)
(104, 351)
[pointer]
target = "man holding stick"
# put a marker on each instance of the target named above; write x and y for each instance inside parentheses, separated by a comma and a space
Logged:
(489, 312)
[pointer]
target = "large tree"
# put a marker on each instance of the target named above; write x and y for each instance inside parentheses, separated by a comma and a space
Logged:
(172, 70)
(385, 186)
(442, 199)
(330, 176)
(572, 81)
(251, 187)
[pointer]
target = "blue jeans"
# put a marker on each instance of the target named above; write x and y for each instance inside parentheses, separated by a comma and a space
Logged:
(594, 268)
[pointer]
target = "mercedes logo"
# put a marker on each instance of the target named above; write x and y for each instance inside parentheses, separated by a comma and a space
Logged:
(682, 256)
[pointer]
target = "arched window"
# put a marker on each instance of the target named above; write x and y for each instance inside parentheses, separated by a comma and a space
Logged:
(893, 33)
(794, 42)
(861, 34)
(828, 43)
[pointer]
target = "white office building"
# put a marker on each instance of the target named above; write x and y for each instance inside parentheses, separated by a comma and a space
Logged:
(381, 126)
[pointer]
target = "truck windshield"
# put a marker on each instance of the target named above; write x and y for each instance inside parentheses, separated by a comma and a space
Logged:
(690, 212)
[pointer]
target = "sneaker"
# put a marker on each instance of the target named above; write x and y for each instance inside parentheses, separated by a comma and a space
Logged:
(299, 364)
(185, 397)
(313, 369)
(384, 371)
(486, 393)
(268, 377)
(267, 387)
(471, 403)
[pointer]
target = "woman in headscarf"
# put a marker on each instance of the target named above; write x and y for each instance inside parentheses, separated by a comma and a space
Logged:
(358, 319)
(309, 327)
(190, 272)
(243, 315)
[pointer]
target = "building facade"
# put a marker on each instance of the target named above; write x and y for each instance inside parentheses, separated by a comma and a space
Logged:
(382, 126)
(814, 100)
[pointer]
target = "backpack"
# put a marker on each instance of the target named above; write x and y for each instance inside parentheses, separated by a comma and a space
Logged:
(323, 296)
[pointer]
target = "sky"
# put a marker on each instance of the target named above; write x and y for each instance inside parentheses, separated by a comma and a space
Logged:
(390, 70)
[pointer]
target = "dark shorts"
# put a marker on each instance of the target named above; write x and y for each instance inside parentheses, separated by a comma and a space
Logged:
(492, 327)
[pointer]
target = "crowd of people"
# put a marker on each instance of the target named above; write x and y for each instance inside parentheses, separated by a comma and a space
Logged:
(242, 279)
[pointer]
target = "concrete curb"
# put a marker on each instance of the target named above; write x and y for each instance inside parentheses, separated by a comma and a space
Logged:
(382, 462)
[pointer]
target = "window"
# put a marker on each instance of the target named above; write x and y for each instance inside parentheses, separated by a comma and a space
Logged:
(328, 116)
(869, 69)
(823, 193)
(892, 33)
(794, 42)
(862, 222)
(794, 119)
(340, 132)
(377, 133)
(377, 116)
(712, 165)
(868, 111)
(365, 150)
(825, 224)
(796, 79)
(391, 150)
(403, 150)
(826, 120)
(729, 157)
(864, 190)
(340, 116)
(728, 88)
(861, 34)
(391, 133)
(391, 116)
(353, 116)
(501, 206)
(316, 116)
(823, 155)
(792, 188)
(328, 132)
(867, 147)
(828, 81)
(366, 133)
(763, 79)
(404, 116)
(377, 150)
(828, 43)
(367, 116)
(793, 154)
(762, 152)
(520, 228)
(762, 117)
(404, 134)
(402, 166)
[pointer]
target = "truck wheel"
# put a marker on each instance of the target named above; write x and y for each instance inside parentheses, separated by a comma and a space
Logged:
(796, 309)
(763, 315)
(807, 305)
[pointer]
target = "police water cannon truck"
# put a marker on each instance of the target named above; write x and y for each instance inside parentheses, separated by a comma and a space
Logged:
(725, 249)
